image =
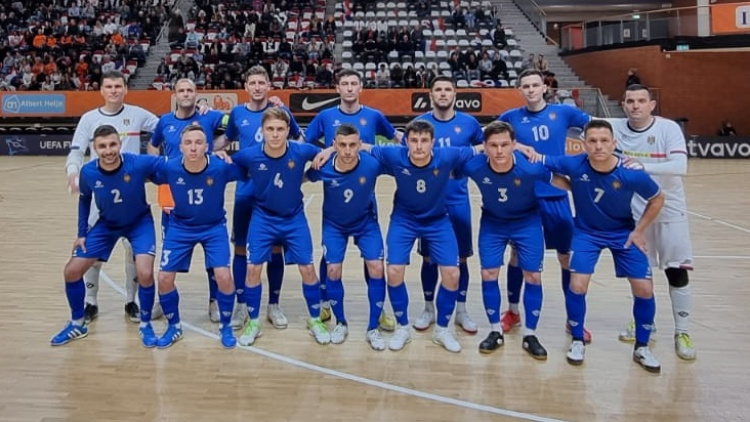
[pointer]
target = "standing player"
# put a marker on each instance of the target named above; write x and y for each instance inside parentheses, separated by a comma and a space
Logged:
(129, 121)
(349, 211)
(277, 168)
(602, 191)
(116, 182)
(167, 137)
(510, 213)
(245, 126)
(456, 129)
(370, 123)
(543, 127)
(659, 145)
(197, 182)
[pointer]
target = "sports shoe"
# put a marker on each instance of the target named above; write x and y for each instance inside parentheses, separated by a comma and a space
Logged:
(509, 320)
(132, 312)
(386, 322)
(90, 312)
(69, 333)
(643, 357)
(683, 345)
(586, 333)
(493, 342)
(251, 333)
(400, 338)
(319, 330)
(148, 337)
(628, 334)
(239, 316)
(339, 333)
(170, 337)
(534, 348)
(375, 339)
(424, 321)
(443, 337)
(227, 337)
(325, 311)
(464, 321)
(277, 318)
(576, 353)
(213, 311)
(158, 312)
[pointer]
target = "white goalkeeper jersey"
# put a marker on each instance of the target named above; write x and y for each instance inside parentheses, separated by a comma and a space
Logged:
(660, 142)
(130, 121)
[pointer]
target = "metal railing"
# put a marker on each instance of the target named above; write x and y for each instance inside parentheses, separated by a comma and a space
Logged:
(534, 13)
(590, 100)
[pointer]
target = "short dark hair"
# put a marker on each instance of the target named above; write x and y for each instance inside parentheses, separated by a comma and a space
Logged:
(442, 78)
(497, 127)
(639, 87)
(348, 72)
(195, 127)
(529, 72)
(346, 129)
(419, 126)
(114, 74)
(105, 130)
(598, 124)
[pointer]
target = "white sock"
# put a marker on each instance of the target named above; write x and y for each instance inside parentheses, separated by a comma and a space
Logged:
(681, 306)
(460, 307)
(325, 304)
(514, 307)
(131, 276)
(91, 279)
(496, 327)
(528, 332)
(78, 322)
(429, 306)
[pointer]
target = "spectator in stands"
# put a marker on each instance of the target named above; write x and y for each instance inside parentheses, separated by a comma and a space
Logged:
(485, 66)
(632, 78)
(383, 76)
(727, 129)
(459, 18)
(405, 47)
(498, 36)
(499, 68)
(529, 62)
(422, 8)
(329, 27)
(480, 16)
(471, 19)
(324, 76)
(280, 68)
(472, 67)
(417, 38)
(494, 16)
(551, 95)
(430, 74)
(541, 64)
(397, 76)
(48, 85)
(456, 67)
(310, 69)
(410, 76)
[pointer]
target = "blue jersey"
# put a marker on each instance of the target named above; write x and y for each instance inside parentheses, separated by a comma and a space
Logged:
(246, 126)
(421, 191)
(277, 182)
(168, 131)
(368, 121)
(120, 194)
(463, 130)
(348, 197)
(546, 131)
(510, 195)
(602, 200)
(198, 197)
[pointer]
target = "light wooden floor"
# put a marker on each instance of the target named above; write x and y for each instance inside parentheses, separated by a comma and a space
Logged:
(110, 377)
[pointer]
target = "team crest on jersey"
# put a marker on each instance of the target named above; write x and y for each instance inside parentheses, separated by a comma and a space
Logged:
(457, 129)
(553, 116)
(362, 180)
(517, 181)
(651, 140)
(436, 172)
(291, 164)
(126, 178)
(126, 121)
(616, 184)
(209, 181)
(363, 122)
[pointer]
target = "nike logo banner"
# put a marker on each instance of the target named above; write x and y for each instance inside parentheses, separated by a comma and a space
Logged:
(312, 103)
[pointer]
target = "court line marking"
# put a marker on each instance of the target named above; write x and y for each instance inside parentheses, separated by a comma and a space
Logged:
(356, 378)
(719, 221)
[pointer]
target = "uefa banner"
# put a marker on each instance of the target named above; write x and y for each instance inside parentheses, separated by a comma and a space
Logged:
(733, 18)
(34, 144)
(392, 102)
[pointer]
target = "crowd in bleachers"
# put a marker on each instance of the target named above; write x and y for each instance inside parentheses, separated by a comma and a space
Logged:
(68, 44)
(220, 40)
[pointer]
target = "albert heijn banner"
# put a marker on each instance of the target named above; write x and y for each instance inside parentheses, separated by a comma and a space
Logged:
(392, 102)
(733, 18)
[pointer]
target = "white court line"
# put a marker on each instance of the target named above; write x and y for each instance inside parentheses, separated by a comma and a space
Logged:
(718, 221)
(355, 378)
(308, 199)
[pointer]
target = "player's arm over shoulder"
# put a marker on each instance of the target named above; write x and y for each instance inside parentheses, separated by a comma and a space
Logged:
(676, 162)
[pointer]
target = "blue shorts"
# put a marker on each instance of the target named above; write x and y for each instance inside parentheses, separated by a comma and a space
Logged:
(367, 237)
(243, 209)
(402, 232)
(460, 215)
(586, 247)
(525, 235)
(557, 220)
(180, 241)
(292, 233)
(100, 239)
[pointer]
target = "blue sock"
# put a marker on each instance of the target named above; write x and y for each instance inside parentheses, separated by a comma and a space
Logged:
(376, 297)
(226, 305)
(491, 298)
(311, 292)
(575, 304)
(565, 280)
(335, 290)
(323, 277)
(252, 298)
(212, 286)
(429, 280)
(400, 303)
(170, 303)
(532, 304)
(275, 274)
(463, 281)
(146, 295)
(76, 294)
(644, 311)
(239, 274)
(515, 283)
(445, 304)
